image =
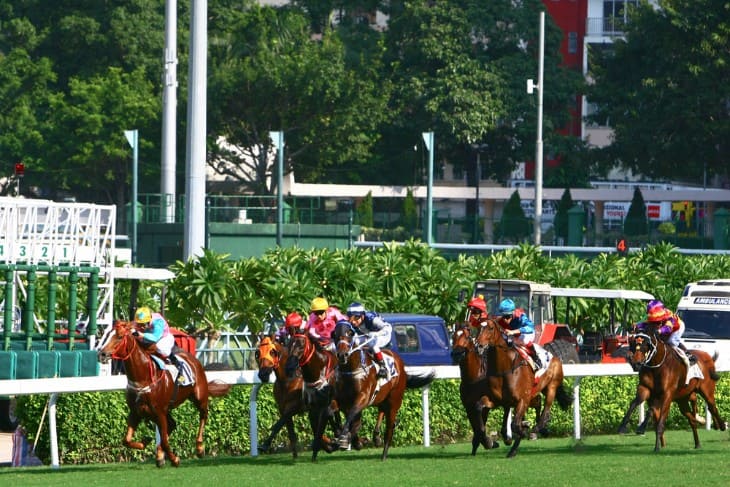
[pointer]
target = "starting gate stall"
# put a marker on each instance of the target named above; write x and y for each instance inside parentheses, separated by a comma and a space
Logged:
(66, 250)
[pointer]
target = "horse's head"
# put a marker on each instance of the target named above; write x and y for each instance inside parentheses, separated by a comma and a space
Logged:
(116, 343)
(268, 357)
(299, 349)
(461, 343)
(641, 350)
(343, 336)
(490, 335)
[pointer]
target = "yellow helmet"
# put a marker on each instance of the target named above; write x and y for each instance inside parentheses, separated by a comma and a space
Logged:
(319, 304)
(143, 315)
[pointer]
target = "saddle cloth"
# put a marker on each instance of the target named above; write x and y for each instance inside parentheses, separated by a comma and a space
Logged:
(187, 371)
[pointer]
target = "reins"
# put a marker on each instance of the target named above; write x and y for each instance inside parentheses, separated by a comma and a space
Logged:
(652, 352)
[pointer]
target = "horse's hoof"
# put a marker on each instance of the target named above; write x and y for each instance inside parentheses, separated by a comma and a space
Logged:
(533, 436)
(344, 442)
(495, 445)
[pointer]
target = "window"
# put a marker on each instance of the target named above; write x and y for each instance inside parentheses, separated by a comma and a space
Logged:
(572, 42)
(406, 337)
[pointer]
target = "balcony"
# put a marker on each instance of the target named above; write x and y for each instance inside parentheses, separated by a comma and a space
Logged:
(605, 26)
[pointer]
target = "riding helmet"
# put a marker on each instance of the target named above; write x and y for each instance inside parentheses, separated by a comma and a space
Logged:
(143, 315)
(506, 307)
(319, 304)
(356, 309)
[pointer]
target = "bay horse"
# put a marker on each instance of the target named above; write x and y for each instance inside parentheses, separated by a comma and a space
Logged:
(474, 385)
(512, 382)
(152, 392)
(667, 372)
(358, 387)
(317, 367)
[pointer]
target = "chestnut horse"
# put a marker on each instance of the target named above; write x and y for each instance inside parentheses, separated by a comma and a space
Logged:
(473, 385)
(152, 392)
(667, 372)
(317, 367)
(512, 382)
(358, 386)
(272, 356)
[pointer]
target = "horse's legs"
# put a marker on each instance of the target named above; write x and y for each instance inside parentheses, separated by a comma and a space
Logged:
(203, 415)
(660, 409)
(377, 435)
(292, 434)
(477, 415)
(689, 410)
(707, 391)
(132, 423)
(390, 408)
(284, 419)
(517, 428)
(164, 446)
(642, 394)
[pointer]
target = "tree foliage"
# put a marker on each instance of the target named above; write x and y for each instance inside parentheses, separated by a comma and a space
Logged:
(636, 222)
(664, 90)
(561, 215)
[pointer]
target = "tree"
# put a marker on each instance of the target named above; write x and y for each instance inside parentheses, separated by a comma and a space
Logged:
(269, 74)
(365, 211)
(636, 222)
(460, 71)
(561, 215)
(665, 90)
(410, 212)
(514, 225)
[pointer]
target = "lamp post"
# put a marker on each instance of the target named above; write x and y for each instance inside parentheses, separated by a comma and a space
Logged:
(133, 139)
(538, 145)
(477, 182)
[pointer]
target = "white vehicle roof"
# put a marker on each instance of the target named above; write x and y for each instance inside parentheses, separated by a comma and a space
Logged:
(575, 292)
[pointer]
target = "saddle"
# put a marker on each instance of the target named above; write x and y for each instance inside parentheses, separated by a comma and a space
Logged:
(185, 370)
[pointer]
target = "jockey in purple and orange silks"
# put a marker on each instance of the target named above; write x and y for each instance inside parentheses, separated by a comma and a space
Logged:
(669, 326)
(157, 332)
(322, 321)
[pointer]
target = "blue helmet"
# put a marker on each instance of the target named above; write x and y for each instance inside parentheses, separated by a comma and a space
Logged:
(356, 309)
(506, 307)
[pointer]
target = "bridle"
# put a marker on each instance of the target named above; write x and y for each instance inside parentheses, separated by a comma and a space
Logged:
(267, 351)
(651, 344)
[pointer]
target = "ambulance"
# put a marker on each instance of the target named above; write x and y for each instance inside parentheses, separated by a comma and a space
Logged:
(705, 309)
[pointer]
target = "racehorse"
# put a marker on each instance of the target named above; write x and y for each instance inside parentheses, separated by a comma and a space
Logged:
(271, 357)
(317, 367)
(512, 382)
(358, 387)
(667, 373)
(474, 385)
(152, 392)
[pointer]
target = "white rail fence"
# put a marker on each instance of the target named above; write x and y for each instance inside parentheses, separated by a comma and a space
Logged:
(54, 387)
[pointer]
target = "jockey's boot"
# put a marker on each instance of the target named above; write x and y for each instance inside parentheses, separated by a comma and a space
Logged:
(535, 357)
(382, 369)
(174, 361)
(692, 359)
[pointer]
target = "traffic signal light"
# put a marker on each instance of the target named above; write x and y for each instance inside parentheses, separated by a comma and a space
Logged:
(19, 169)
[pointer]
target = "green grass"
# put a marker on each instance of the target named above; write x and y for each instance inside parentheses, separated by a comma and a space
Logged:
(595, 460)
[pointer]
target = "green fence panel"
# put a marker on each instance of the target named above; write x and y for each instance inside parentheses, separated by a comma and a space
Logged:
(89, 363)
(70, 364)
(7, 365)
(26, 365)
(48, 363)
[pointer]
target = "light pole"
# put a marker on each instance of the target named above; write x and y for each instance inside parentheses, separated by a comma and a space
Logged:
(477, 182)
(133, 139)
(538, 145)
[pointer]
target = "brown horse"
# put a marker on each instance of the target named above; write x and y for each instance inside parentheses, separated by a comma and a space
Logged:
(271, 357)
(152, 393)
(473, 385)
(358, 386)
(512, 382)
(317, 367)
(667, 373)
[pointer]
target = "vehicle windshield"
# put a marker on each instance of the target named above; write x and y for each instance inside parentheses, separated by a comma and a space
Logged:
(705, 323)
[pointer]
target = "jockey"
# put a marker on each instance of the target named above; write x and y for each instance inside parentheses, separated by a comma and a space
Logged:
(477, 312)
(292, 324)
(670, 328)
(376, 334)
(157, 332)
(322, 321)
(519, 326)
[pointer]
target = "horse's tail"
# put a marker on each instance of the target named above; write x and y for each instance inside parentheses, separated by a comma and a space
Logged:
(217, 388)
(565, 398)
(414, 381)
